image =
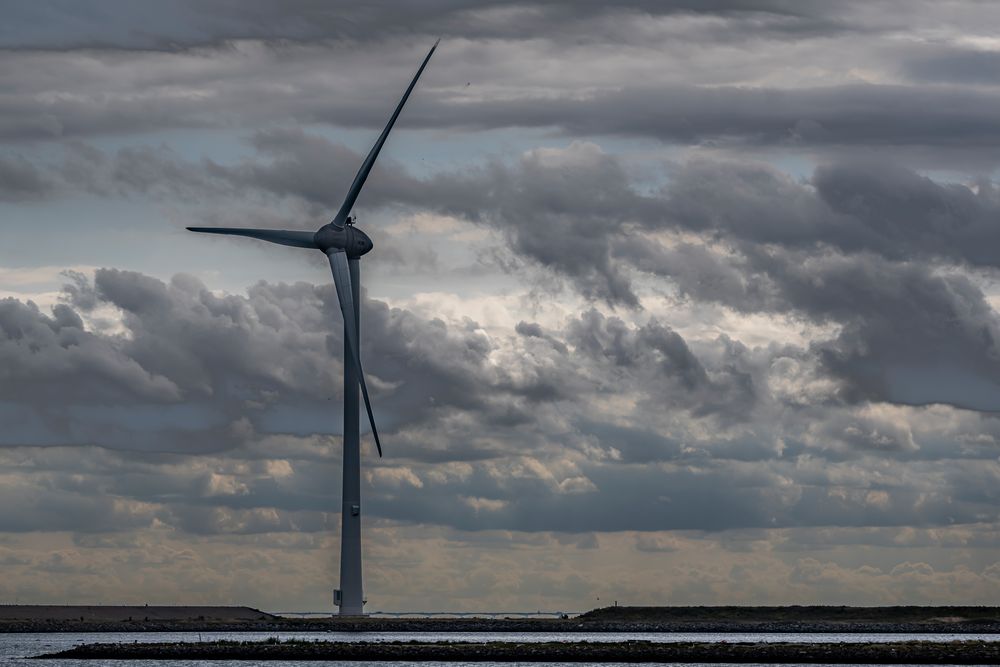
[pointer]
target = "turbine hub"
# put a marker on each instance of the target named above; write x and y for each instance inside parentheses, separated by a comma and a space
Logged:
(350, 239)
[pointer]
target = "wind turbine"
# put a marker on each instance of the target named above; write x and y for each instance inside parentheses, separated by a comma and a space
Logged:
(344, 244)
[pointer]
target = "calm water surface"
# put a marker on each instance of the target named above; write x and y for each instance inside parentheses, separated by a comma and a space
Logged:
(16, 648)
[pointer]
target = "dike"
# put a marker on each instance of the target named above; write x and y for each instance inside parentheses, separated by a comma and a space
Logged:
(917, 652)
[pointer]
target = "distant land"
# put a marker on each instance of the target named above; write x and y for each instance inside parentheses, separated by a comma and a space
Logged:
(103, 613)
(908, 619)
(793, 613)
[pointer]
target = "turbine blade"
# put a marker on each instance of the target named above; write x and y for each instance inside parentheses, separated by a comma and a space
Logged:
(345, 294)
(280, 236)
(366, 166)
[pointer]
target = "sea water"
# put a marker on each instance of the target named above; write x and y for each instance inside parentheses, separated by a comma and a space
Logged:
(17, 648)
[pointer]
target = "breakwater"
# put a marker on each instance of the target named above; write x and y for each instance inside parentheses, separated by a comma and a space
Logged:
(914, 652)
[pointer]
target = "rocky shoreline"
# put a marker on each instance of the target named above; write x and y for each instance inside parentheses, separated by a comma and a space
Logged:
(962, 652)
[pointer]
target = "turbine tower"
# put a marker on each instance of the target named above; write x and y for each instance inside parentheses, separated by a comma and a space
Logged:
(344, 244)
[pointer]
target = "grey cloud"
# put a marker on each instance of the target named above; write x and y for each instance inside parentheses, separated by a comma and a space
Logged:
(20, 180)
(535, 330)
(922, 339)
(950, 66)
(42, 503)
(201, 520)
(533, 474)
(573, 209)
(289, 164)
(434, 386)
(731, 116)
(635, 444)
(720, 117)
(651, 347)
(907, 334)
(711, 496)
(836, 252)
(653, 544)
(452, 368)
(53, 358)
(196, 370)
(205, 80)
(511, 493)
(530, 329)
(864, 433)
(80, 291)
(900, 214)
(304, 165)
(144, 25)
(851, 206)
(65, 383)
(555, 209)
(663, 368)
(793, 247)
(772, 244)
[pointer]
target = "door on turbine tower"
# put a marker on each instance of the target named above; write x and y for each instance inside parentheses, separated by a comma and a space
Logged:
(337, 597)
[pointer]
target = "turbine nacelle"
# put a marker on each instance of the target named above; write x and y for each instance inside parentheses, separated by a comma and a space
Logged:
(348, 238)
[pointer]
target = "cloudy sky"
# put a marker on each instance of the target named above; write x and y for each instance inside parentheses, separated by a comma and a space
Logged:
(671, 303)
